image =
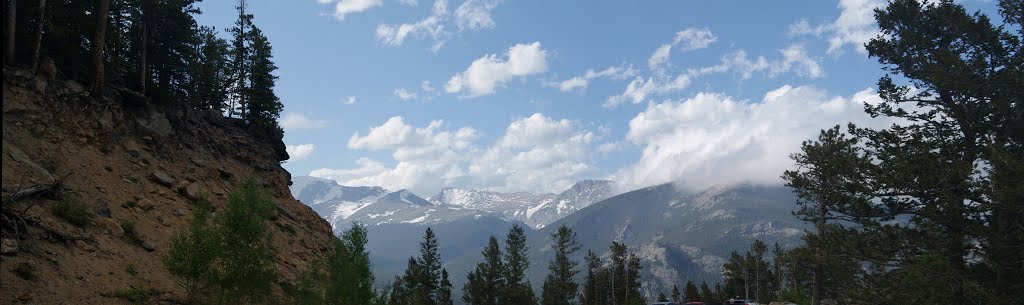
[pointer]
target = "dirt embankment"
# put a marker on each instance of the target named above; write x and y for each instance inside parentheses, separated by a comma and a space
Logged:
(132, 166)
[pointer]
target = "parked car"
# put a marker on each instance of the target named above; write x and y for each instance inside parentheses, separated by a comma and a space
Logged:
(740, 302)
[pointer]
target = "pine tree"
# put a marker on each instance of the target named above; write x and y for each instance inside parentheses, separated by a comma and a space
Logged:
(661, 297)
(240, 61)
(484, 284)
(429, 271)
(10, 26)
(591, 294)
(517, 289)
(690, 293)
(263, 105)
(705, 292)
(676, 295)
(444, 292)
(559, 287)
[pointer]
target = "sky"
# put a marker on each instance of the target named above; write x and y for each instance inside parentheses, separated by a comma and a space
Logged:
(535, 95)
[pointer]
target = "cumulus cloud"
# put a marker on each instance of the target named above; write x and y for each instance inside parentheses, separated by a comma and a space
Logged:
(409, 2)
(580, 83)
(854, 26)
(297, 121)
(404, 94)
(299, 152)
(694, 39)
(794, 59)
(712, 138)
(536, 153)
(489, 72)
(349, 100)
(345, 7)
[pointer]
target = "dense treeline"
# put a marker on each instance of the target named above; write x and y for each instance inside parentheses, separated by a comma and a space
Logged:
(155, 48)
(928, 210)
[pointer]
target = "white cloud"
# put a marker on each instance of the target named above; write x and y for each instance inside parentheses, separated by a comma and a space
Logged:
(854, 26)
(427, 87)
(409, 2)
(349, 100)
(794, 59)
(489, 72)
(659, 57)
(471, 15)
(297, 121)
(475, 14)
(404, 94)
(535, 153)
(299, 152)
(712, 139)
(694, 39)
(431, 26)
(345, 7)
(579, 83)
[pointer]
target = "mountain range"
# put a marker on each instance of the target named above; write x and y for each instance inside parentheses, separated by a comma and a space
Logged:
(678, 234)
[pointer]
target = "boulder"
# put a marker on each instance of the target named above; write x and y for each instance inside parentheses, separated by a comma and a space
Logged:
(162, 178)
(112, 226)
(155, 125)
(131, 147)
(194, 191)
(8, 246)
(149, 246)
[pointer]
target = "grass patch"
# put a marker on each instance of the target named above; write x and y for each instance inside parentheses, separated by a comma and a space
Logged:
(135, 295)
(108, 168)
(72, 210)
(130, 204)
(131, 269)
(286, 228)
(130, 232)
(25, 271)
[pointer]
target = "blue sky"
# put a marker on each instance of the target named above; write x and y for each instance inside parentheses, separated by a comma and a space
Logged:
(533, 95)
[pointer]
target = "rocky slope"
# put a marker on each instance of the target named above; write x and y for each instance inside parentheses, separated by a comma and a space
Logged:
(132, 164)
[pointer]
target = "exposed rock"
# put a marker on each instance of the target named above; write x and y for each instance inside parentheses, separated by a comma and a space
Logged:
(112, 226)
(178, 212)
(154, 125)
(8, 246)
(149, 246)
(145, 204)
(194, 191)
(131, 147)
(162, 178)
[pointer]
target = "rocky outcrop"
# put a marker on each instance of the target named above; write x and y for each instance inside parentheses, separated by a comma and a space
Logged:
(137, 168)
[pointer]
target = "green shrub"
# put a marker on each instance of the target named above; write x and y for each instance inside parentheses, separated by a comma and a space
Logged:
(72, 210)
(130, 269)
(130, 232)
(135, 295)
(25, 271)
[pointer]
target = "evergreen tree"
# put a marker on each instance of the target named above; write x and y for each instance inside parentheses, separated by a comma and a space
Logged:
(484, 284)
(444, 292)
(263, 106)
(591, 294)
(560, 288)
(690, 293)
(429, 271)
(705, 292)
(517, 289)
(661, 297)
(676, 295)
(240, 61)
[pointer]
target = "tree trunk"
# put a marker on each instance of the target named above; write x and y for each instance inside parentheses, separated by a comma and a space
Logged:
(816, 277)
(9, 46)
(97, 46)
(39, 35)
(142, 54)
